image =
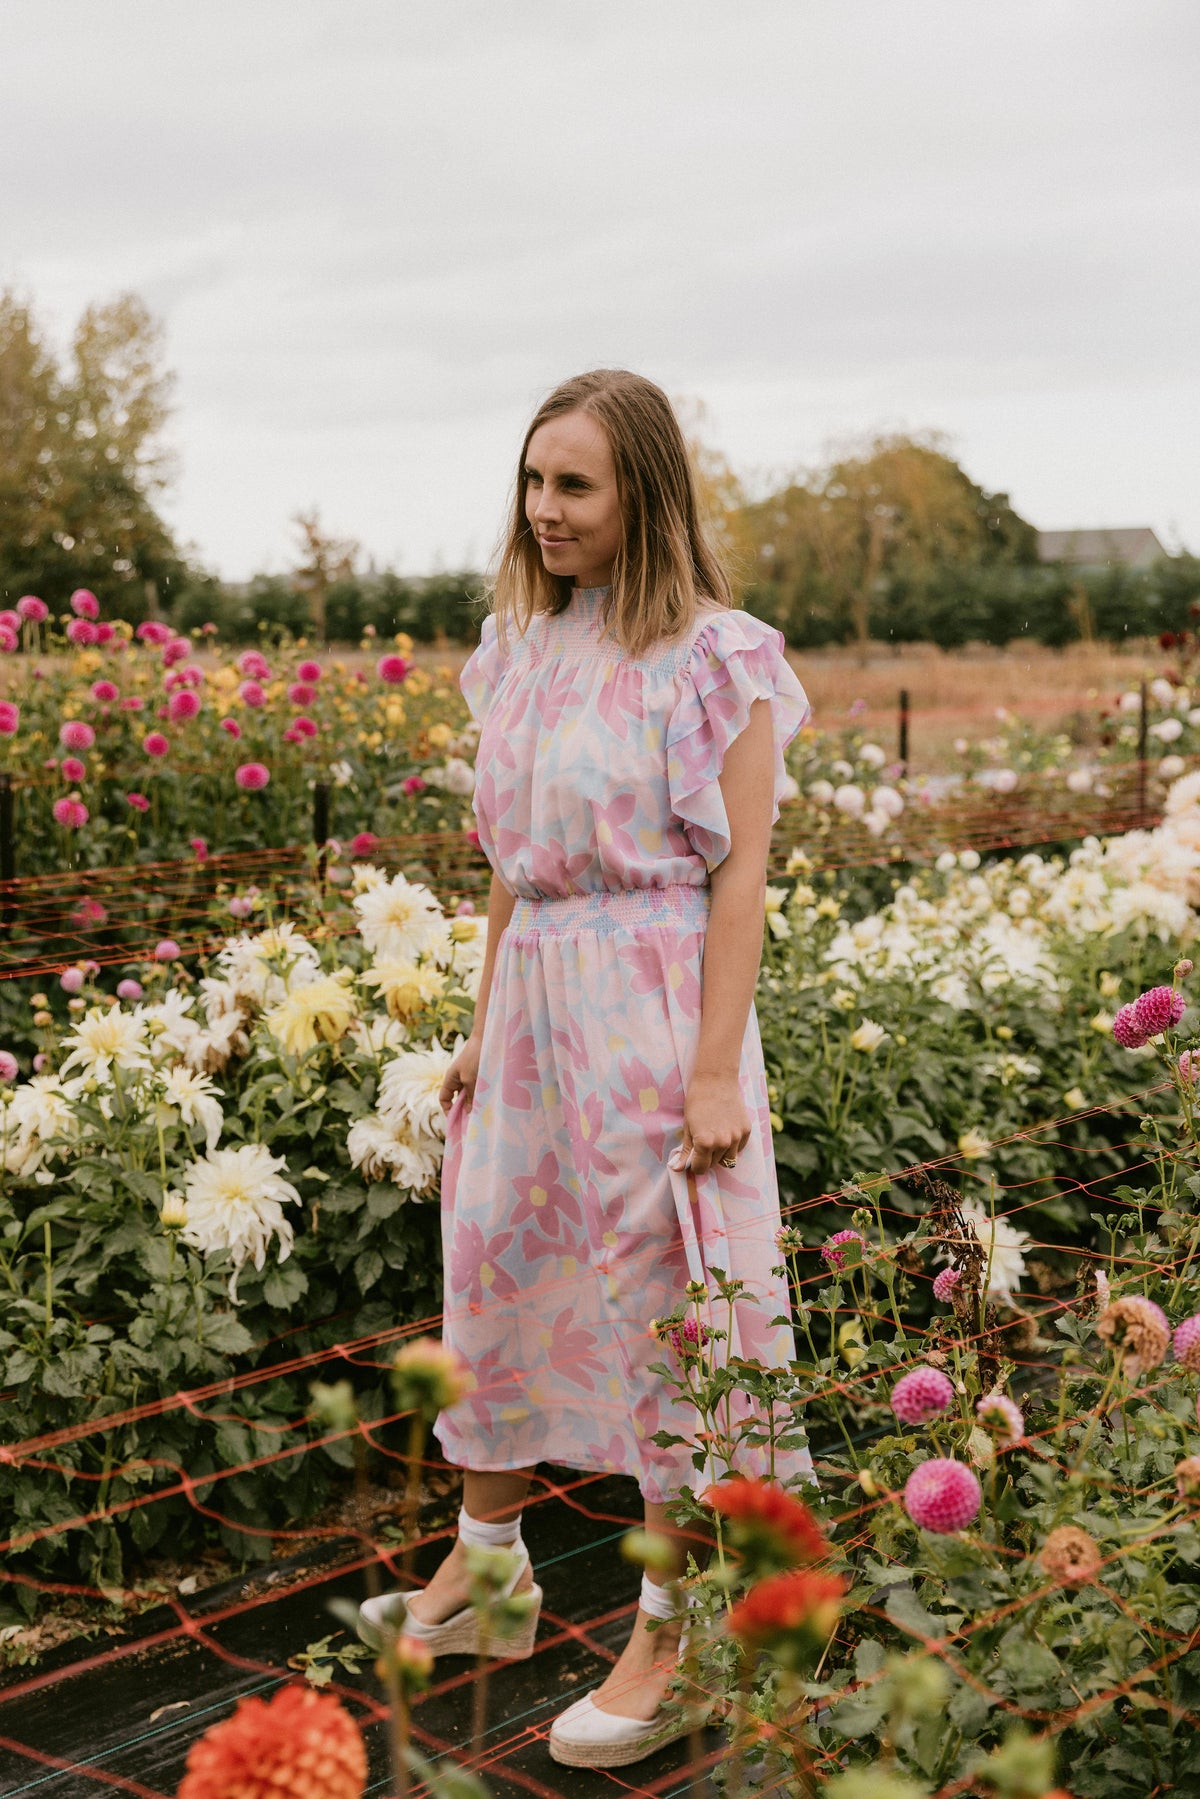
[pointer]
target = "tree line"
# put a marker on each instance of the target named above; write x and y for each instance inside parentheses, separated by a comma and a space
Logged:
(890, 542)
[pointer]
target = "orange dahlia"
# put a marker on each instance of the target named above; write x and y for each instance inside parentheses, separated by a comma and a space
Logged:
(299, 1745)
(789, 1614)
(767, 1524)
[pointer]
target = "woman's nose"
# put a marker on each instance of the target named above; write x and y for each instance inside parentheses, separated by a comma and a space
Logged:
(547, 507)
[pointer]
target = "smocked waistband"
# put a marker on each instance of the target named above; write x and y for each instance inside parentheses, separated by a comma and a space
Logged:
(679, 904)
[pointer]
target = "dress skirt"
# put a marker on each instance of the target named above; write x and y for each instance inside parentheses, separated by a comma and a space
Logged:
(566, 1232)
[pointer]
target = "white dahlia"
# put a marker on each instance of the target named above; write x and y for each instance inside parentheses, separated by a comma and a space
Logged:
(403, 985)
(316, 1011)
(378, 1033)
(195, 1099)
(380, 1147)
(410, 1085)
(1002, 1244)
(213, 1049)
(106, 1038)
(402, 919)
(171, 1028)
(264, 968)
(235, 1202)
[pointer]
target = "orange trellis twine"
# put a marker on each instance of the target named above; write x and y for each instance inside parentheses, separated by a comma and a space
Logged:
(355, 1549)
(117, 915)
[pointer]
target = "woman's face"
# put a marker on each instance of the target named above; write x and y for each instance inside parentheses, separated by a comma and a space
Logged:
(571, 499)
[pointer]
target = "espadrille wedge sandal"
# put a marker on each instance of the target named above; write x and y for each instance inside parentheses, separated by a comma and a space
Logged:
(460, 1635)
(585, 1737)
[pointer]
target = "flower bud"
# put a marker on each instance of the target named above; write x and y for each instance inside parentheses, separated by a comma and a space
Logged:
(174, 1212)
(1183, 968)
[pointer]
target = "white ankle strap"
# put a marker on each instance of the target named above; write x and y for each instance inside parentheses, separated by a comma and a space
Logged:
(659, 1602)
(475, 1534)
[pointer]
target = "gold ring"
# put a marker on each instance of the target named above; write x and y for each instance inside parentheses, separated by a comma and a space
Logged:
(729, 1161)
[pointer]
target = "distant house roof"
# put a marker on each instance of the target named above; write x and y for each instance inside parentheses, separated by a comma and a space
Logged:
(1133, 546)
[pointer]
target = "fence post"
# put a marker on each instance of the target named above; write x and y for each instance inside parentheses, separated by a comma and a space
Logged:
(8, 864)
(1143, 751)
(903, 755)
(321, 827)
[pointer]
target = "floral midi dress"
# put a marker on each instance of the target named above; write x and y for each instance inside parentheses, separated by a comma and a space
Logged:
(565, 1232)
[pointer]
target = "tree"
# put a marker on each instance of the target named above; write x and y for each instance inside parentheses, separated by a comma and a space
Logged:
(325, 560)
(81, 457)
(893, 515)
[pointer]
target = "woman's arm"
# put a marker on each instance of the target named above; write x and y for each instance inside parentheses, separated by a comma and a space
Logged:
(463, 1071)
(716, 1121)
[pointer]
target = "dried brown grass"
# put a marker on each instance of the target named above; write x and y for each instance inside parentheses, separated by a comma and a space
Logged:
(957, 693)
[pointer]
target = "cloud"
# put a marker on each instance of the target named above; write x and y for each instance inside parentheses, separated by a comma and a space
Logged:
(377, 235)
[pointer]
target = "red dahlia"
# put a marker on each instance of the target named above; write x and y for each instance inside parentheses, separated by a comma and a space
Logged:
(766, 1521)
(300, 1745)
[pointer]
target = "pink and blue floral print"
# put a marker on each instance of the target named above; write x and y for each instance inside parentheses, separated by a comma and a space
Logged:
(566, 1233)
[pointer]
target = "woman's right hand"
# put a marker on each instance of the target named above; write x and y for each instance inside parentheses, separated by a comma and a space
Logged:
(461, 1075)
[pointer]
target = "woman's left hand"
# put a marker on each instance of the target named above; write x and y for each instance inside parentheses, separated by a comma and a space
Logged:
(716, 1125)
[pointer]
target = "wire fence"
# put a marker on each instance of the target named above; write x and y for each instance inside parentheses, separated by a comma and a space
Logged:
(119, 914)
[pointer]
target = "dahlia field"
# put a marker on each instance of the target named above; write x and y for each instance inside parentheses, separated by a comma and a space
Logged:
(219, 1173)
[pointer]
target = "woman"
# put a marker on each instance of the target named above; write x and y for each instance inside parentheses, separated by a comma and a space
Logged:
(608, 1135)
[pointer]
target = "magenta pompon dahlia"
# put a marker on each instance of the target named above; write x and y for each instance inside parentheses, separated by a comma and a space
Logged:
(1187, 1344)
(1158, 1010)
(942, 1495)
(921, 1394)
(832, 1256)
(945, 1283)
(1125, 1029)
(1002, 1418)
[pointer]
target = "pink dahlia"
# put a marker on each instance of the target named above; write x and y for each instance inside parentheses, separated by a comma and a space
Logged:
(1189, 1066)
(183, 704)
(10, 620)
(84, 603)
(8, 1065)
(89, 911)
(689, 1339)
(71, 980)
(105, 634)
(364, 844)
(942, 1495)
(256, 666)
(33, 610)
(73, 769)
(1158, 1010)
(945, 1283)
(921, 1395)
(133, 704)
(413, 784)
(10, 718)
(232, 726)
(70, 812)
(302, 693)
(305, 726)
(155, 744)
(1187, 1344)
(251, 694)
(1125, 1029)
(199, 848)
(1001, 1418)
(835, 1258)
(309, 671)
(291, 735)
(8, 638)
(252, 775)
(138, 801)
(392, 669)
(472, 837)
(82, 631)
(104, 692)
(153, 631)
(130, 989)
(178, 649)
(75, 735)
(167, 950)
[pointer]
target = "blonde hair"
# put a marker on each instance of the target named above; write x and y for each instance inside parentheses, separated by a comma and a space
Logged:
(667, 565)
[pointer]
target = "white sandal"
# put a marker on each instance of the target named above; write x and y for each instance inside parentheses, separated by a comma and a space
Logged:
(585, 1737)
(380, 1619)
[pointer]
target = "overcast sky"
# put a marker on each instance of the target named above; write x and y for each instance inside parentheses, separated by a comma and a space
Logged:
(378, 233)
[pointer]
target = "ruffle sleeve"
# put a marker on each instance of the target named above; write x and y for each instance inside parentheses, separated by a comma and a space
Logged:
(735, 660)
(481, 671)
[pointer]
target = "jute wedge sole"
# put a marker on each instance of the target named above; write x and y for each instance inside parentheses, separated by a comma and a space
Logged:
(586, 1737)
(459, 1635)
